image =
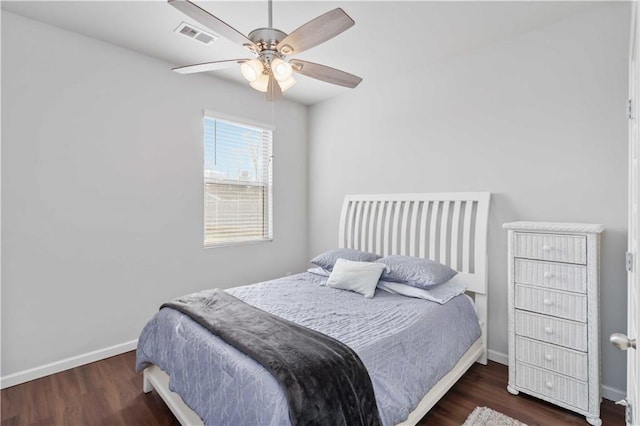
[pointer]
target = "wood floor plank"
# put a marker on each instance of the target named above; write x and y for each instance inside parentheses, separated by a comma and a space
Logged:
(109, 393)
(485, 386)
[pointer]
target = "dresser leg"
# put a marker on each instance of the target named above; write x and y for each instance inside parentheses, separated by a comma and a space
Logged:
(595, 421)
(513, 391)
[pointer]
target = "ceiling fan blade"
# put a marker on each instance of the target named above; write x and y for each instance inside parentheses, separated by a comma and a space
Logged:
(325, 73)
(274, 91)
(208, 66)
(316, 31)
(216, 25)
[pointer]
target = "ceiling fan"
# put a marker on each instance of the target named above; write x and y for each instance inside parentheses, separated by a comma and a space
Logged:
(270, 71)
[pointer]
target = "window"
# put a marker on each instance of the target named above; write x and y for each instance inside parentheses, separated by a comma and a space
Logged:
(237, 181)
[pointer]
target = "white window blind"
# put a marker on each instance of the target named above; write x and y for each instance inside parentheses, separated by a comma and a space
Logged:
(237, 182)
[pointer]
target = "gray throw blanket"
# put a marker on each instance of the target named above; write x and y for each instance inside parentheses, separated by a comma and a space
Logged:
(325, 382)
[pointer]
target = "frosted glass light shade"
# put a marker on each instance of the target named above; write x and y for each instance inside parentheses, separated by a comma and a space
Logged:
(286, 84)
(251, 70)
(261, 83)
(281, 69)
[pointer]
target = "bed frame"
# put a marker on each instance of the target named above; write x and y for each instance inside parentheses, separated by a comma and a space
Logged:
(448, 227)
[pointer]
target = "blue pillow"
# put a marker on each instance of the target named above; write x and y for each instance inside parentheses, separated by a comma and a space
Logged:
(415, 271)
(328, 259)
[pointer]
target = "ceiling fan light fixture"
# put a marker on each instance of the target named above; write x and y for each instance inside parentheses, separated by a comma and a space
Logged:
(281, 69)
(261, 83)
(252, 70)
(269, 71)
(286, 84)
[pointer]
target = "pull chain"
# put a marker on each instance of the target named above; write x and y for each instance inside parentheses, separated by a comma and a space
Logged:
(273, 114)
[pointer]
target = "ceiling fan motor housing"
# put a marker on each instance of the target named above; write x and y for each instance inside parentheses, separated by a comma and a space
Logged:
(267, 38)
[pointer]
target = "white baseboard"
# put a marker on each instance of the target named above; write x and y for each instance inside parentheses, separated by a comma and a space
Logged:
(498, 357)
(608, 392)
(65, 364)
(612, 394)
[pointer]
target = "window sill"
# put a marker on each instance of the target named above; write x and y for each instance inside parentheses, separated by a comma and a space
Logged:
(237, 243)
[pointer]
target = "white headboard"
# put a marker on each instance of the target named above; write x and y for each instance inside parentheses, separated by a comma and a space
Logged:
(450, 228)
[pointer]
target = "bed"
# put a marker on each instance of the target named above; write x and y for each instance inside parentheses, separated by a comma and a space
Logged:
(450, 228)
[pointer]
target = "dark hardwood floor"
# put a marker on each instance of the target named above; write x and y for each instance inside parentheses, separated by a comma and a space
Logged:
(109, 392)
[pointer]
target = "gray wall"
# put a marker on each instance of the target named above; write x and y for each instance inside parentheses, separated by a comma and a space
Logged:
(538, 120)
(102, 202)
(102, 156)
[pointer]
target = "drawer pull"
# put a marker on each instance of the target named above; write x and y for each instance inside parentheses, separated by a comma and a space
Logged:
(548, 357)
(549, 384)
(548, 275)
(547, 302)
(548, 330)
(546, 247)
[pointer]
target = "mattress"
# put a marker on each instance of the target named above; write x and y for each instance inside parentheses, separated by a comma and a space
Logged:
(406, 344)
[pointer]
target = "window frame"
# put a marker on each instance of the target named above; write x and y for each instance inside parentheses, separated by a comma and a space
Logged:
(268, 214)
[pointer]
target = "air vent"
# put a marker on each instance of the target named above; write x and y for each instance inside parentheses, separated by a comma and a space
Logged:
(195, 33)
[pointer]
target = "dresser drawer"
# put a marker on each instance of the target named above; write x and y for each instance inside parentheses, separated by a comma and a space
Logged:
(570, 391)
(551, 357)
(554, 247)
(560, 276)
(552, 330)
(561, 304)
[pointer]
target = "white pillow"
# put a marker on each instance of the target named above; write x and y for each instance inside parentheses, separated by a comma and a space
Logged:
(361, 277)
(440, 294)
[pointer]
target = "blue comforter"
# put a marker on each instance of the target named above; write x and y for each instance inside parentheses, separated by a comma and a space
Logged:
(406, 344)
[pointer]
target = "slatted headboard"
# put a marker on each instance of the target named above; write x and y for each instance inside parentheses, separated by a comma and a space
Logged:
(450, 228)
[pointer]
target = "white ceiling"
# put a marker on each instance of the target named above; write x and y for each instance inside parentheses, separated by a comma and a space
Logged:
(387, 35)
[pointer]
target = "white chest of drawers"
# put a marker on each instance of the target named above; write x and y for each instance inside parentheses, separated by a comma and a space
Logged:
(554, 322)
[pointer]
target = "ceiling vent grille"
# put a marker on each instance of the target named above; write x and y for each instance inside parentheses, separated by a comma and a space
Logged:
(195, 33)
